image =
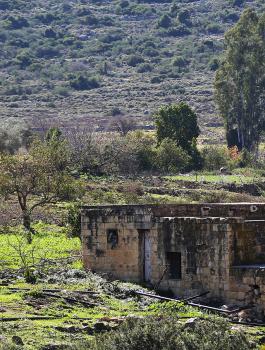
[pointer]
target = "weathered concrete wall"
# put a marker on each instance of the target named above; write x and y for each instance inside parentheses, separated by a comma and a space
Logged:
(211, 242)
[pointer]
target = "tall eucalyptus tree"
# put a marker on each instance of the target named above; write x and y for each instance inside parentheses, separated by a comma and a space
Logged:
(240, 82)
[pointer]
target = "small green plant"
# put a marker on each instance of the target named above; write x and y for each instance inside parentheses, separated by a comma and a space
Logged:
(74, 220)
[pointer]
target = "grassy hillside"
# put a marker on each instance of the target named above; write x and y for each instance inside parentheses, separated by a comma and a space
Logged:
(87, 62)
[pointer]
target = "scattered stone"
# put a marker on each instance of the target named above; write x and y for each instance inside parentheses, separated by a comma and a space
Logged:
(70, 329)
(54, 347)
(88, 329)
(17, 340)
(2, 339)
(76, 274)
(102, 326)
(191, 322)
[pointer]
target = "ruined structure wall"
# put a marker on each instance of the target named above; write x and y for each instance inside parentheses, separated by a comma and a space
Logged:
(246, 210)
(122, 260)
(249, 243)
(210, 248)
(205, 258)
(247, 277)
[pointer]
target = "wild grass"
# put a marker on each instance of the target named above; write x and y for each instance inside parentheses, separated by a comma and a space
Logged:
(49, 242)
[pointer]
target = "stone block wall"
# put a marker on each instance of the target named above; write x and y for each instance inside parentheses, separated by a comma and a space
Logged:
(210, 242)
(123, 259)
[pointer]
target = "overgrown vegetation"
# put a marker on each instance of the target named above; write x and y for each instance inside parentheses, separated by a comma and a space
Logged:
(167, 333)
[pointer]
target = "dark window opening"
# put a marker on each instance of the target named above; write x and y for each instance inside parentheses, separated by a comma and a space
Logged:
(112, 238)
(174, 265)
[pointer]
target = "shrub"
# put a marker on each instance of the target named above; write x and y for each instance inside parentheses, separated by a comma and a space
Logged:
(180, 30)
(91, 20)
(238, 3)
(84, 83)
(180, 62)
(24, 59)
(151, 52)
(214, 64)
(167, 334)
(83, 11)
(47, 52)
(111, 37)
(46, 18)
(215, 157)
(164, 21)
(16, 22)
(62, 91)
(171, 157)
(73, 220)
(156, 79)
(184, 17)
(145, 67)
(115, 111)
(214, 28)
(134, 60)
(124, 3)
(50, 33)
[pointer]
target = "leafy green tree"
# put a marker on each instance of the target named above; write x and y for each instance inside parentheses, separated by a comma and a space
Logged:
(240, 82)
(38, 178)
(178, 123)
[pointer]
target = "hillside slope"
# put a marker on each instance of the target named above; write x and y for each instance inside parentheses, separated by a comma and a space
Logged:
(83, 63)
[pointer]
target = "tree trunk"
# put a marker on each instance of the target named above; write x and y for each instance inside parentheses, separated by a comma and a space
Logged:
(27, 226)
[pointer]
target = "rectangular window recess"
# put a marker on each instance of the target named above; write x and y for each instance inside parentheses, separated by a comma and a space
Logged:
(174, 265)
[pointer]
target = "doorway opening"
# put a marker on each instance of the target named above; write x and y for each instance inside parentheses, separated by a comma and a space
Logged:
(145, 255)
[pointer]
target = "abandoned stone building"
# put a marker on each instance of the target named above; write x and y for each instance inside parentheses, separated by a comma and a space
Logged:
(187, 249)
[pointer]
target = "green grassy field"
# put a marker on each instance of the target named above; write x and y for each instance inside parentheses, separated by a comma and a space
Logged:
(50, 242)
(220, 179)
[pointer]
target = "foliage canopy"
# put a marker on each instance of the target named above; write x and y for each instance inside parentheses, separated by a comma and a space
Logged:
(240, 82)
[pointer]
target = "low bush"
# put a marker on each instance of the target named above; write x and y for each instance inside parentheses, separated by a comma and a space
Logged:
(171, 157)
(84, 83)
(164, 21)
(134, 60)
(215, 157)
(167, 334)
(145, 67)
